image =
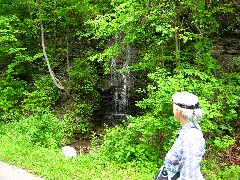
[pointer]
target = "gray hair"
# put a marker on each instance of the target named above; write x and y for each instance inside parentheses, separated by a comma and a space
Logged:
(189, 105)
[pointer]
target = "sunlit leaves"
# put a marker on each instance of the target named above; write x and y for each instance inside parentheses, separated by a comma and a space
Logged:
(218, 103)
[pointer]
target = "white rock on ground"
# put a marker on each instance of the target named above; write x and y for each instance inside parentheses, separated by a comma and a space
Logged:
(69, 151)
(9, 172)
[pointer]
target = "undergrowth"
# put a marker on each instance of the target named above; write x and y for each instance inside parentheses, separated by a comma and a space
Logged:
(17, 148)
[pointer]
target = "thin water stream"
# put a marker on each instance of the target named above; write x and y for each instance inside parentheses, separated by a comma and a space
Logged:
(121, 82)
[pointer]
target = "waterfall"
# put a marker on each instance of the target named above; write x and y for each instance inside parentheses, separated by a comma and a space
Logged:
(118, 95)
(121, 83)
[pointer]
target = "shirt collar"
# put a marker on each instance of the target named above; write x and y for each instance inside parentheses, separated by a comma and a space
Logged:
(184, 129)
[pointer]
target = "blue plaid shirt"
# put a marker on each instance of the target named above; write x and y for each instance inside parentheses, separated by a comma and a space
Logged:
(186, 153)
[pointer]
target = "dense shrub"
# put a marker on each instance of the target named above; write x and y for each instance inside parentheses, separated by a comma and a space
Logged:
(148, 137)
(42, 97)
(41, 129)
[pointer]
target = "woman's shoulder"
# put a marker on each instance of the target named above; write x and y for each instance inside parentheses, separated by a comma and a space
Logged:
(194, 135)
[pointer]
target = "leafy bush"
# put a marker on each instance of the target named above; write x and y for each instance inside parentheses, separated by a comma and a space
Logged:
(11, 94)
(83, 78)
(230, 172)
(41, 129)
(213, 171)
(141, 140)
(148, 137)
(42, 97)
(218, 103)
(72, 122)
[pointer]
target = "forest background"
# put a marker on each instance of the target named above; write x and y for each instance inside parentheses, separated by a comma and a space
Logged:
(54, 58)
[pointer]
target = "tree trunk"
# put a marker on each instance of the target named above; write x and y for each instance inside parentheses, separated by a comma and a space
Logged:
(55, 80)
(177, 45)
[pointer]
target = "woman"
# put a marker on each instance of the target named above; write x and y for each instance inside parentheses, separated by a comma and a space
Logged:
(182, 161)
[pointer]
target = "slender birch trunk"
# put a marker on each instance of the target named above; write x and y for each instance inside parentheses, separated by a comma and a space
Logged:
(55, 80)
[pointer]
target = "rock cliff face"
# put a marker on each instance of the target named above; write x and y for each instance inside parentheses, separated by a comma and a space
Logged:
(227, 51)
(118, 96)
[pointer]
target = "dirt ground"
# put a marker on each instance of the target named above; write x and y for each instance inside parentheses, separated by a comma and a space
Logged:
(9, 172)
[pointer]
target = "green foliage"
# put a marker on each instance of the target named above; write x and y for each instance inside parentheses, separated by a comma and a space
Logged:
(142, 140)
(9, 42)
(152, 27)
(43, 130)
(42, 98)
(213, 171)
(212, 93)
(11, 94)
(83, 80)
(26, 86)
(149, 136)
(230, 172)
(75, 121)
(15, 149)
(224, 142)
(16, 100)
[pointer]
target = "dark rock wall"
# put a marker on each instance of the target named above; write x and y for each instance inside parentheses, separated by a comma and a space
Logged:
(118, 91)
(227, 51)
